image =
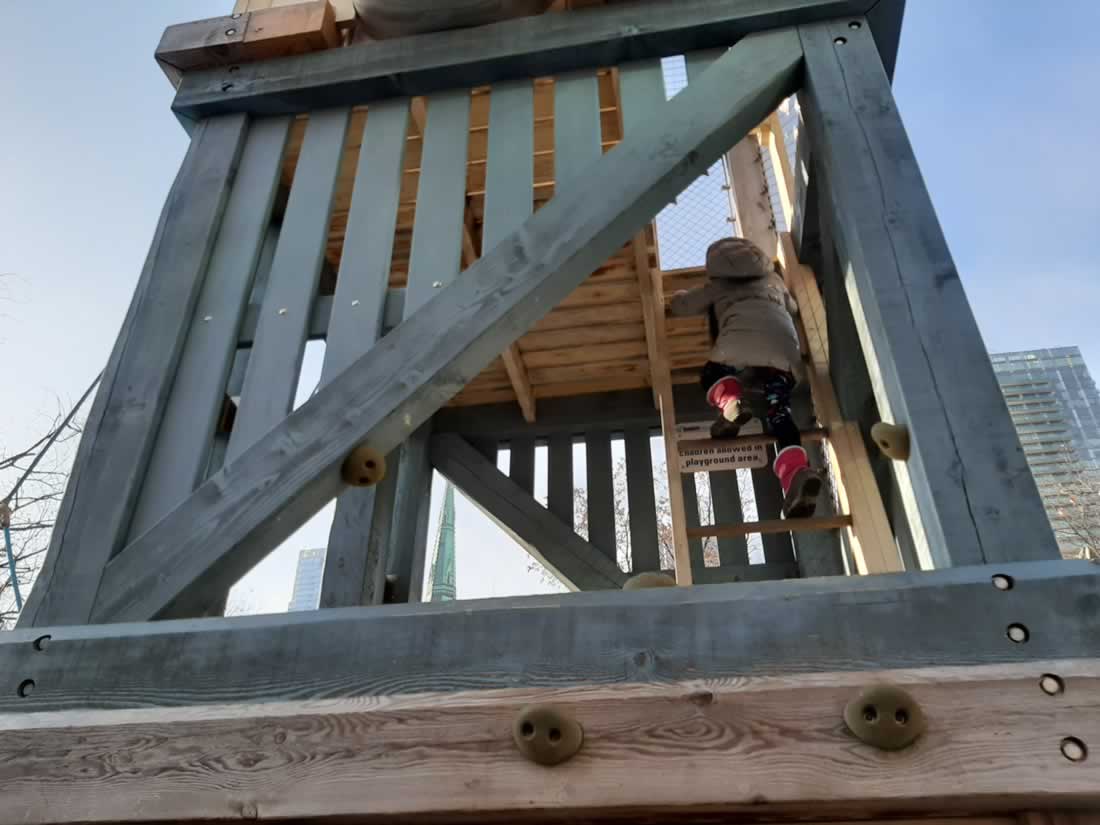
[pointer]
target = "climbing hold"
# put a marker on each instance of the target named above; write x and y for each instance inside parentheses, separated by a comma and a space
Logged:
(892, 439)
(364, 467)
(547, 735)
(885, 717)
(643, 581)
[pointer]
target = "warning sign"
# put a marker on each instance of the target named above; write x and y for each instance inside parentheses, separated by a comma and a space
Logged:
(699, 454)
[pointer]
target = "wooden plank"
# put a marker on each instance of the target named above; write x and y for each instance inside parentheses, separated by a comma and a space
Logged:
(122, 424)
(725, 497)
(644, 548)
(789, 726)
(928, 364)
(769, 506)
(539, 530)
(272, 376)
(509, 194)
(559, 479)
(599, 471)
(577, 141)
(449, 340)
(352, 574)
(435, 261)
(769, 628)
(544, 46)
(179, 457)
(521, 467)
(691, 519)
(772, 527)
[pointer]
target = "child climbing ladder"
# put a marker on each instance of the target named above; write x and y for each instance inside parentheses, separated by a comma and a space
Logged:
(755, 361)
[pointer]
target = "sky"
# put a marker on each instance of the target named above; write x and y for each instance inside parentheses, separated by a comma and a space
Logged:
(998, 98)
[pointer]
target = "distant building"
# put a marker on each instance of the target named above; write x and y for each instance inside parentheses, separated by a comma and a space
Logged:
(307, 580)
(443, 568)
(1055, 406)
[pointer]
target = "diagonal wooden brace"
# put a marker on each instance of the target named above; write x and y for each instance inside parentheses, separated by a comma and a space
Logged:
(236, 517)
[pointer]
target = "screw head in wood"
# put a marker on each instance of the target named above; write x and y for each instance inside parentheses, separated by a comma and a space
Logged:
(892, 439)
(364, 467)
(885, 717)
(1074, 749)
(547, 735)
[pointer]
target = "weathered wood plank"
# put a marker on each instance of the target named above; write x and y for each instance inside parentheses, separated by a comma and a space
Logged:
(230, 523)
(510, 193)
(559, 477)
(600, 480)
(771, 628)
(517, 49)
(967, 482)
(644, 546)
(521, 467)
(179, 457)
(725, 497)
(272, 376)
(577, 135)
(795, 756)
(544, 534)
(352, 574)
(122, 424)
(435, 260)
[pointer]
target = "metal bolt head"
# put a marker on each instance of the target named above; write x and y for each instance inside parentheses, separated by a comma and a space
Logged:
(230, 32)
(206, 319)
(282, 310)
(1074, 749)
(355, 303)
(1052, 685)
(437, 284)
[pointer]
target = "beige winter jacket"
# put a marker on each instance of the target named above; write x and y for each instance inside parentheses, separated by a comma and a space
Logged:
(752, 308)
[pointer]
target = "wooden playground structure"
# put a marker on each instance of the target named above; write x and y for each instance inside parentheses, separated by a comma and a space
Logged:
(466, 218)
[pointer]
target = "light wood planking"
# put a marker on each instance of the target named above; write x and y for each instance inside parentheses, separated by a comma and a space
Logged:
(450, 340)
(544, 533)
(354, 570)
(110, 464)
(182, 450)
(929, 367)
(509, 195)
(422, 757)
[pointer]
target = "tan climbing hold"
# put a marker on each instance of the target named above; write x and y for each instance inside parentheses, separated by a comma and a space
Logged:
(892, 439)
(547, 735)
(644, 581)
(885, 717)
(365, 467)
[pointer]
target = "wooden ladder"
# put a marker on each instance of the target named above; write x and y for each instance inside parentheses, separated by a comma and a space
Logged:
(862, 514)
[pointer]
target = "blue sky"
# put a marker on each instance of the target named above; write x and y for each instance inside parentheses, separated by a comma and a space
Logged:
(998, 98)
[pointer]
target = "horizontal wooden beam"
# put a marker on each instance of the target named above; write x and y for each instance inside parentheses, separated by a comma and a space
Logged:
(902, 620)
(765, 747)
(533, 46)
(254, 503)
(546, 537)
(728, 531)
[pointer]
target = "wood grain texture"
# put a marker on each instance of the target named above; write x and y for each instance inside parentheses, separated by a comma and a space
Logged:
(354, 567)
(513, 50)
(901, 620)
(544, 533)
(967, 481)
(122, 424)
(992, 745)
(233, 519)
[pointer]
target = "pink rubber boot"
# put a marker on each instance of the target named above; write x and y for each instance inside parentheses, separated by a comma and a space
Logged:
(725, 395)
(801, 485)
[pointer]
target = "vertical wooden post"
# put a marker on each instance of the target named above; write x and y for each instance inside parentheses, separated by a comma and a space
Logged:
(111, 461)
(966, 484)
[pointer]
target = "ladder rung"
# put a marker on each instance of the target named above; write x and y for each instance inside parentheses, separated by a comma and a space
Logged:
(797, 525)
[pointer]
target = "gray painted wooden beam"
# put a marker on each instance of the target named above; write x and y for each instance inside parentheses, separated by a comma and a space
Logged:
(967, 483)
(435, 260)
(182, 449)
(513, 50)
(600, 481)
(691, 519)
(538, 530)
(946, 618)
(239, 514)
(725, 498)
(521, 467)
(769, 505)
(122, 424)
(353, 570)
(644, 546)
(559, 477)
